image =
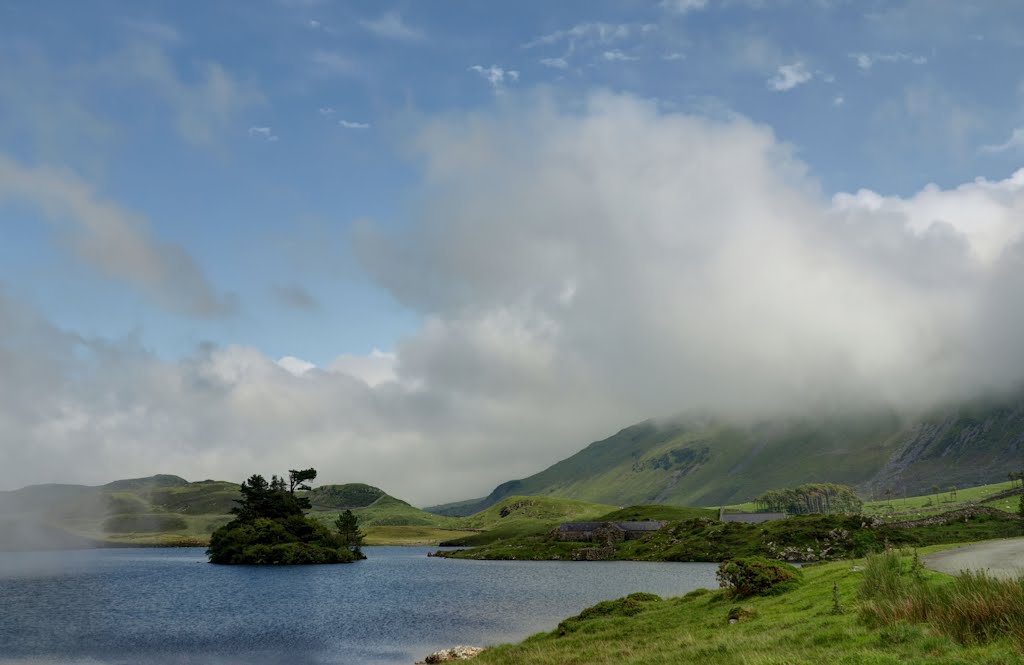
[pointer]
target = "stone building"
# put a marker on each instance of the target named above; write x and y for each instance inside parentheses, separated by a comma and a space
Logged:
(606, 531)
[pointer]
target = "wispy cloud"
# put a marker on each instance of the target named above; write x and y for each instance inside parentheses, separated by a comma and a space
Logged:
(495, 75)
(117, 242)
(392, 26)
(616, 55)
(683, 6)
(790, 76)
(349, 124)
(675, 55)
(264, 133)
(838, 100)
(555, 63)
(295, 296)
(1015, 142)
(334, 63)
(152, 30)
(868, 60)
(592, 32)
(204, 105)
(326, 111)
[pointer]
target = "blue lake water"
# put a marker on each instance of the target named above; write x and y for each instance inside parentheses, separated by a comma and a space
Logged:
(168, 606)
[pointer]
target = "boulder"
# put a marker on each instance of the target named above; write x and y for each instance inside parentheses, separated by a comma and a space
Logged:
(455, 653)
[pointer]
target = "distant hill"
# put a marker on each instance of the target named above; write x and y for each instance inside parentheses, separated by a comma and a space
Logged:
(169, 510)
(708, 462)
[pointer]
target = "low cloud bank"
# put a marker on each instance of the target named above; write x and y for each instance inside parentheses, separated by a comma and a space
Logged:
(576, 271)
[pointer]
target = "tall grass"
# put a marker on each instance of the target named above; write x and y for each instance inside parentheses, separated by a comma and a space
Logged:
(972, 608)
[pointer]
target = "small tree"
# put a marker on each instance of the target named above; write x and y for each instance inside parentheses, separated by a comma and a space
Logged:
(1020, 506)
(297, 479)
(348, 528)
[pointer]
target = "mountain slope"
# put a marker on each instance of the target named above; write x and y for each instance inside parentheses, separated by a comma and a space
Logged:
(712, 462)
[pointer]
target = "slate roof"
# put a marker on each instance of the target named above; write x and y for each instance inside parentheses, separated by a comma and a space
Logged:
(750, 518)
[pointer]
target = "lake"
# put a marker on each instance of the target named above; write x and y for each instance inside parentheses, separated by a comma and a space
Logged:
(168, 606)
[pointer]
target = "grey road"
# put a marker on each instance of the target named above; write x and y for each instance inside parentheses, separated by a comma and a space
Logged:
(1002, 558)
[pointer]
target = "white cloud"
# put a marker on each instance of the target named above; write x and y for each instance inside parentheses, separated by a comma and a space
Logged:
(348, 124)
(391, 26)
(555, 63)
(1015, 142)
(326, 111)
(615, 55)
(838, 100)
(264, 133)
(683, 6)
(868, 60)
(375, 369)
(790, 76)
(675, 55)
(591, 33)
(296, 366)
(495, 75)
(313, 24)
(113, 240)
(575, 270)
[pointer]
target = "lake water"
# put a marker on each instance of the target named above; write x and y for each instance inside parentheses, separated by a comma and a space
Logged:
(168, 606)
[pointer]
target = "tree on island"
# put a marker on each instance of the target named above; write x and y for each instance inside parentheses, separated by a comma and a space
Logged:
(348, 529)
(270, 527)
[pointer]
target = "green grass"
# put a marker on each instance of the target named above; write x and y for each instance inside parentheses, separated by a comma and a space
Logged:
(935, 503)
(794, 628)
(536, 509)
(798, 538)
(926, 505)
(409, 535)
(972, 607)
(658, 512)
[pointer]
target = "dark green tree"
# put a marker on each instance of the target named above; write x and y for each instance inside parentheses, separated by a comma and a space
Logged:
(348, 528)
(270, 527)
(297, 479)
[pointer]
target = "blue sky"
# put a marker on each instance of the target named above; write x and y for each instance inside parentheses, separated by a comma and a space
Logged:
(270, 176)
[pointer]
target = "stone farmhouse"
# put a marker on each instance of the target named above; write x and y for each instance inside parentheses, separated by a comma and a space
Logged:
(606, 531)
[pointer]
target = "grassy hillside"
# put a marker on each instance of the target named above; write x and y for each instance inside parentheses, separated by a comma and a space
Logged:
(711, 462)
(796, 627)
(169, 510)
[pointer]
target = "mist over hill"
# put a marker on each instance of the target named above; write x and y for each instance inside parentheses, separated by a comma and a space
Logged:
(708, 461)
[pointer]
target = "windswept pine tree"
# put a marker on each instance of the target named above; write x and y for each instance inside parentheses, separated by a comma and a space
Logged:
(271, 528)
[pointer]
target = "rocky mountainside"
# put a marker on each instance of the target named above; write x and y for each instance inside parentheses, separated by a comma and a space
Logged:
(707, 462)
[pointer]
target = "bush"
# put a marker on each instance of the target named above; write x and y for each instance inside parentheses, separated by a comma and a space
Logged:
(293, 540)
(757, 576)
(631, 605)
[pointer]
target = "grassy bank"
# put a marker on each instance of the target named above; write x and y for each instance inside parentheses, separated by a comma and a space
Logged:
(799, 627)
(798, 538)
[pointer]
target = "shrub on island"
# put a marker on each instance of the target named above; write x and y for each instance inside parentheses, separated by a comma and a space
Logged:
(270, 528)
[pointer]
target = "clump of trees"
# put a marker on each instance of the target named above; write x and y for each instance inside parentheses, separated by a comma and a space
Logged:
(271, 528)
(824, 498)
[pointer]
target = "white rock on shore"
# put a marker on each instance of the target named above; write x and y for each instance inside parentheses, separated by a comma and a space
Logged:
(455, 653)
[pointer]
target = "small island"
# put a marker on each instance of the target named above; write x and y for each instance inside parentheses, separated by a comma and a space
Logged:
(270, 527)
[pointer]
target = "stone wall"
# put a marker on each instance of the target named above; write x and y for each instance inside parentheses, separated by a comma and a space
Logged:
(953, 516)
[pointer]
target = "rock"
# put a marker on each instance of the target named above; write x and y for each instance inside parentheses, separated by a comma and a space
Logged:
(455, 653)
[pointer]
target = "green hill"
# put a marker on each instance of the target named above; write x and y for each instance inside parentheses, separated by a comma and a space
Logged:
(708, 462)
(169, 510)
